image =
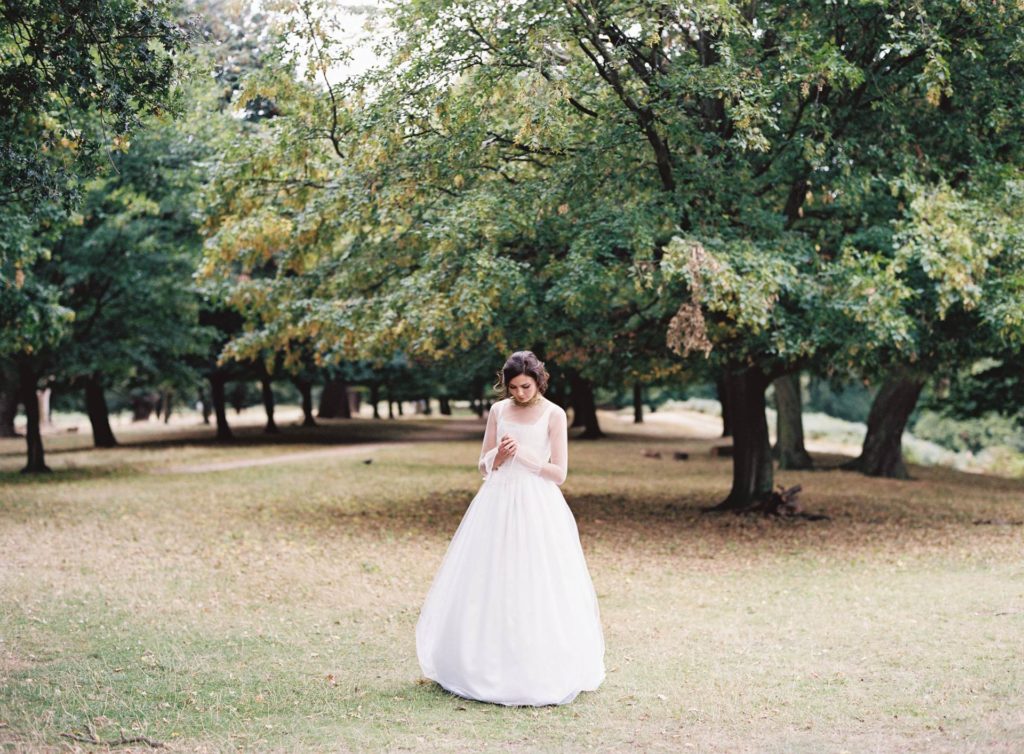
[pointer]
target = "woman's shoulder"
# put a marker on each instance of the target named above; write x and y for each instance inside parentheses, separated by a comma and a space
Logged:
(554, 410)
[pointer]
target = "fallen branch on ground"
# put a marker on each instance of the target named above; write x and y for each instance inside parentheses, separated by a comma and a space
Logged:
(120, 741)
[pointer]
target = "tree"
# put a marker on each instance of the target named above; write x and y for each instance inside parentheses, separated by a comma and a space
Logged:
(30, 348)
(727, 172)
(77, 80)
(122, 263)
(963, 257)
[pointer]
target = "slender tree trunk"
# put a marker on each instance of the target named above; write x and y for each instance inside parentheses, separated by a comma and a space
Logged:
(401, 412)
(752, 473)
(391, 409)
(882, 453)
(305, 388)
(375, 399)
(99, 416)
(445, 405)
(36, 461)
(268, 405)
(204, 405)
(334, 400)
(168, 401)
(638, 403)
(8, 400)
(723, 399)
(217, 382)
(789, 445)
(584, 407)
(427, 410)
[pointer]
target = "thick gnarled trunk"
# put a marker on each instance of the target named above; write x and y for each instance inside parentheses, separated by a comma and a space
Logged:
(789, 445)
(99, 415)
(882, 452)
(752, 473)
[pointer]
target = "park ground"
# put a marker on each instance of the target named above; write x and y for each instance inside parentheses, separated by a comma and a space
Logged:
(262, 596)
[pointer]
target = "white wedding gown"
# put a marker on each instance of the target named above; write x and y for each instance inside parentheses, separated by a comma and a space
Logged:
(512, 616)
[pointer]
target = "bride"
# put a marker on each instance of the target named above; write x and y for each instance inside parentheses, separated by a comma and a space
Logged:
(512, 615)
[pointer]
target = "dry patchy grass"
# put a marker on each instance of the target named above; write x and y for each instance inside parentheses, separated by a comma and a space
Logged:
(272, 608)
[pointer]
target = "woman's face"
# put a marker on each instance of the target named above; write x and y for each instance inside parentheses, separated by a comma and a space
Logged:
(522, 388)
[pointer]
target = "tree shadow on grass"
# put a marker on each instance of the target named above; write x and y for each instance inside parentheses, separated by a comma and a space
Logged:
(942, 508)
(328, 432)
(68, 474)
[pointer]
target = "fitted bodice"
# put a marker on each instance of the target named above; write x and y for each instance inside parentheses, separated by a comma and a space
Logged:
(532, 437)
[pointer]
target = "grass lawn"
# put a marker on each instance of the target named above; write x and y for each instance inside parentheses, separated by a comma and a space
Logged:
(271, 607)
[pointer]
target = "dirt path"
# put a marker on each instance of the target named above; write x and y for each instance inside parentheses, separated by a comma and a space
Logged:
(342, 451)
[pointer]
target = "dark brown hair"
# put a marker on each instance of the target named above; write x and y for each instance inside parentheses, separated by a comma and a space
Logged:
(522, 362)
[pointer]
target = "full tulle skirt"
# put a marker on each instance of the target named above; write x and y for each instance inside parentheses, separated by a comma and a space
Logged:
(512, 616)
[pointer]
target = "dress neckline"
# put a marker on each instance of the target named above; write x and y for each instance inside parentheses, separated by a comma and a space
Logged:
(534, 423)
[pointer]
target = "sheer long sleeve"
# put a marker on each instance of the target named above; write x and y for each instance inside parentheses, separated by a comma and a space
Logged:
(489, 451)
(557, 467)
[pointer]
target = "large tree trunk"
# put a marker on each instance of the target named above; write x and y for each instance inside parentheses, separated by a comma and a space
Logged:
(638, 403)
(99, 416)
(27, 379)
(584, 408)
(444, 405)
(8, 400)
(752, 473)
(789, 445)
(882, 453)
(268, 405)
(723, 399)
(217, 382)
(334, 400)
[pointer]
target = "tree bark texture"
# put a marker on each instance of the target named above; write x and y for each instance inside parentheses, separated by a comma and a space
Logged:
(789, 444)
(752, 473)
(882, 452)
(99, 415)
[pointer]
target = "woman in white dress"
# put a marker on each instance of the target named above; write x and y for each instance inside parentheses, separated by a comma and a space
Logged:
(512, 616)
